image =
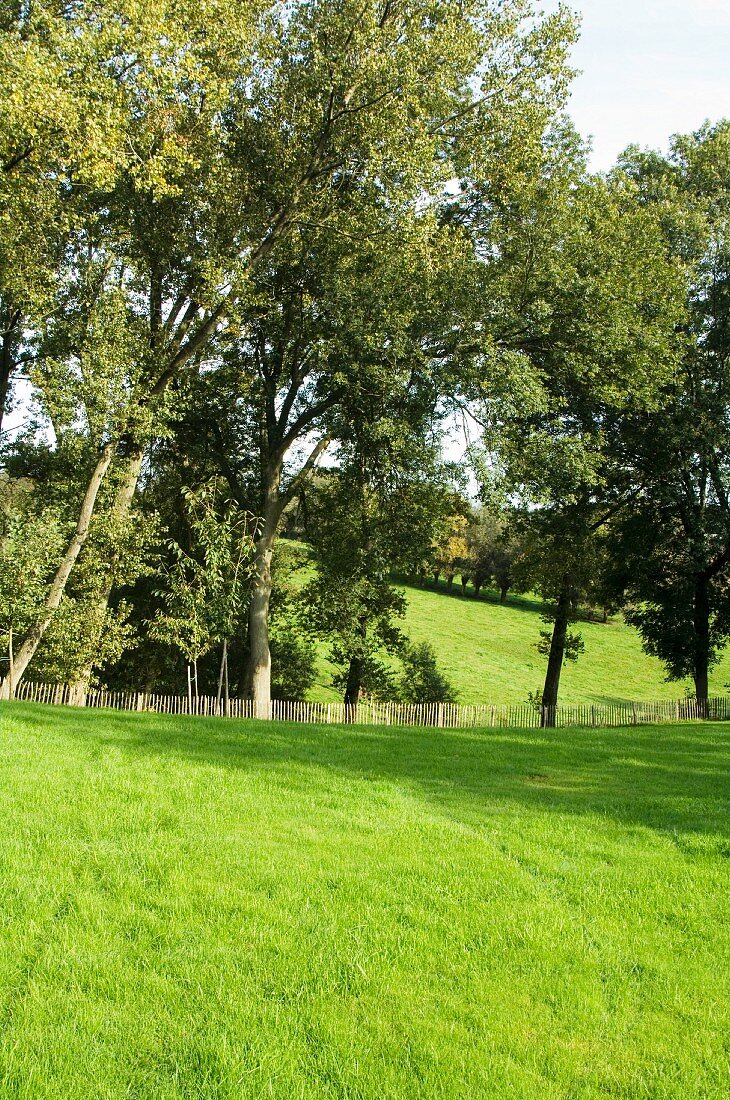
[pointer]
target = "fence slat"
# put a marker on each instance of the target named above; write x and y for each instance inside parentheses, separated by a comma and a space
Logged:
(371, 712)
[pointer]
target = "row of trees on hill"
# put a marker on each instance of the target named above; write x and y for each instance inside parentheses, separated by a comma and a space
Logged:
(258, 257)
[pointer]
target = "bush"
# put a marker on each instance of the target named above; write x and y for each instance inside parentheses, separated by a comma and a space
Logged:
(422, 681)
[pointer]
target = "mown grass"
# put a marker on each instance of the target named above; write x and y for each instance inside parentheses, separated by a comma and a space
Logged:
(489, 653)
(203, 909)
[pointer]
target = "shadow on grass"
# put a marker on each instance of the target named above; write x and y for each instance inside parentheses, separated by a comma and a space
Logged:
(669, 778)
(515, 601)
(486, 595)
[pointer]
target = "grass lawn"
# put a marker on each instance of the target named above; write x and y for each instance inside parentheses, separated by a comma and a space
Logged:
(488, 652)
(202, 909)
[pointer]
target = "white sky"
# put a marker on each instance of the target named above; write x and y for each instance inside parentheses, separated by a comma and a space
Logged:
(650, 69)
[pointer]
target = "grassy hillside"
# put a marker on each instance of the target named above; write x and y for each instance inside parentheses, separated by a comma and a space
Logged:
(489, 653)
(219, 911)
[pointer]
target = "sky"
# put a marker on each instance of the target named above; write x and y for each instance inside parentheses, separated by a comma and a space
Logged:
(650, 69)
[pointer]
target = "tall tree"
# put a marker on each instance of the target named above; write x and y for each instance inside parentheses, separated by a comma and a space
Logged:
(374, 514)
(673, 556)
(245, 121)
(589, 301)
(61, 133)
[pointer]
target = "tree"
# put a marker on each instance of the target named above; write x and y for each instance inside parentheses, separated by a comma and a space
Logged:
(375, 514)
(590, 305)
(204, 589)
(493, 550)
(421, 680)
(61, 133)
(30, 536)
(672, 560)
(449, 551)
(245, 122)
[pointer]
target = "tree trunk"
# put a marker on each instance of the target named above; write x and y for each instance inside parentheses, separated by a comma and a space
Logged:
(258, 666)
(78, 690)
(504, 589)
(258, 673)
(354, 681)
(555, 659)
(353, 685)
(9, 322)
(33, 638)
(224, 661)
(449, 581)
(702, 644)
(477, 589)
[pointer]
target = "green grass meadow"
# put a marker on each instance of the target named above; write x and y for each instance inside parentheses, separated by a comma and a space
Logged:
(209, 909)
(489, 653)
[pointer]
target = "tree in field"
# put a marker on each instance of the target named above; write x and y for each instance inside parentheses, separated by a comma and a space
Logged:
(421, 680)
(591, 302)
(374, 514)
(672, 558)
(242, 123)
(492, 551)
(560, 559)
(337, 316)
(450, 551)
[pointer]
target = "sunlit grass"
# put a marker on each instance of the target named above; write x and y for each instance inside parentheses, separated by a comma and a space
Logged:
(489, 653)
(213, 909)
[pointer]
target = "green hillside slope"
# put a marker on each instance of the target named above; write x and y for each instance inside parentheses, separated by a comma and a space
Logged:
(489, 653)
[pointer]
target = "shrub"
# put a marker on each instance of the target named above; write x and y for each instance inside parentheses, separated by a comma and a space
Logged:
(422, 681)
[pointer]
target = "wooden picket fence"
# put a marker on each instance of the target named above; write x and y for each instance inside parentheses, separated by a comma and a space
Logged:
(442, 715)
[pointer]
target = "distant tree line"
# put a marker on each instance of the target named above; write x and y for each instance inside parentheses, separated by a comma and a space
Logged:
(255, 260)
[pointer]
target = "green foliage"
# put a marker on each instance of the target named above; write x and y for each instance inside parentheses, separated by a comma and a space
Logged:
(293, 651)
(84, 636)
(672, 560)
(202, 593)
(590, 299)
(293, 658)
(422, 681)
(450, 552)
(573, 648)
(493, 550)
(30, 538)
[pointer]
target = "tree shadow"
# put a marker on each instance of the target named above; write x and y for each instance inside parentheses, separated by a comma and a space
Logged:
(486, 596)
(671, 779)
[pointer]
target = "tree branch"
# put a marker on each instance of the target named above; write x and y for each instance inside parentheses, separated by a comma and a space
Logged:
(294, 486)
